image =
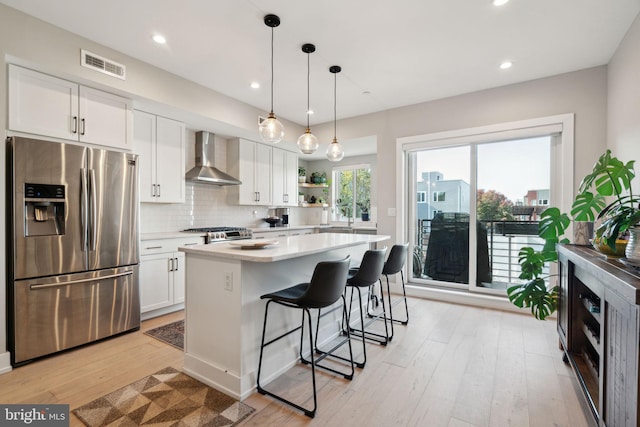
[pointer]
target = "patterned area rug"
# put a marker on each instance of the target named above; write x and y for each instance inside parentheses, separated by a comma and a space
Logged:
(172, 334)
(166, 398)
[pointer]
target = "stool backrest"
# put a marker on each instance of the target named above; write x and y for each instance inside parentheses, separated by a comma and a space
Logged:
(397, 258)
(327, 283)
(370, 268)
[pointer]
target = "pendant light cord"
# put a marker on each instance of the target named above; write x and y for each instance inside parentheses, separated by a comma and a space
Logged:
(271, 69)
(308, 80)
(335, 84)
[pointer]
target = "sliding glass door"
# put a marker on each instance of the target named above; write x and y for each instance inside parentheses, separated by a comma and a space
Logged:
(472, 207)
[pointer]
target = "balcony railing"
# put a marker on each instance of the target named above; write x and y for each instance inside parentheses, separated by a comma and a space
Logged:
(504, 241)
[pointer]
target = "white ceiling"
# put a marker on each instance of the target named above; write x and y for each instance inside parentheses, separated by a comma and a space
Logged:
(392, 53)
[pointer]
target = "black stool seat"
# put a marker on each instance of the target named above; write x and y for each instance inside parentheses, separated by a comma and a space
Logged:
(325, 288)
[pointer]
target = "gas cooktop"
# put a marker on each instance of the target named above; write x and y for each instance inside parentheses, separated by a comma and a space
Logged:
(214, 229)
(221, 234)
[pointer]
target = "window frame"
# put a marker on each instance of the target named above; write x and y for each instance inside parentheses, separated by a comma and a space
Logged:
(334, 190)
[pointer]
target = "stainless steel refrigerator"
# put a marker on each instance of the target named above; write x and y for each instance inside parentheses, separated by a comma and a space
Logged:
(72, 247)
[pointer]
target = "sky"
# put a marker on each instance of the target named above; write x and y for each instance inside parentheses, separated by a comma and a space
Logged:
(510, 167)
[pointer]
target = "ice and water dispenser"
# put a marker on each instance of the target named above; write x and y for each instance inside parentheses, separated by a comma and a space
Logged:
(44, 207)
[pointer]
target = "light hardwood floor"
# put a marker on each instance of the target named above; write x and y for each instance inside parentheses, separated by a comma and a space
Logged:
(452, 366)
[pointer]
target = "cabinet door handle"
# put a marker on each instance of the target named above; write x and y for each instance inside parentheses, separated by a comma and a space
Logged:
(153, 247)
(83, 126)
(153, 190)
(158, 191)
(176, 264)
(74, 127)
(170, 264)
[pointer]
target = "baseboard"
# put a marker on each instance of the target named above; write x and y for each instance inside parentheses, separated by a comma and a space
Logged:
(458, 296)
(5, 363)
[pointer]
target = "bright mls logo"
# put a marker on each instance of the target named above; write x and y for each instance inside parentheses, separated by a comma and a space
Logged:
(34, 415)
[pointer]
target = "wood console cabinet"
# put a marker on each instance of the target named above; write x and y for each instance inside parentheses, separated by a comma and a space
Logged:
(598, 324)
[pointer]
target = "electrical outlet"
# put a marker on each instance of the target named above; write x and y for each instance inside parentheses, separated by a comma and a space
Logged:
(228, 281)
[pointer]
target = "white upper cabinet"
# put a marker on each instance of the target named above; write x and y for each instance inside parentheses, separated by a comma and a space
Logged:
(285, 178)
(160, 143)
(251, 163)
(45, 105)
(105, 119)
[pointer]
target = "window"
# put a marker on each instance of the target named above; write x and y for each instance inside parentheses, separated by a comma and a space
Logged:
(351, 192)
(421, 197)
(438, 196)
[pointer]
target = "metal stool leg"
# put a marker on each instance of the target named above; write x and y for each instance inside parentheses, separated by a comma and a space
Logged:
(308, 412)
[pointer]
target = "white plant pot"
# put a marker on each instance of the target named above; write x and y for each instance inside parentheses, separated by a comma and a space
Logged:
(302, 179)
(632, 251)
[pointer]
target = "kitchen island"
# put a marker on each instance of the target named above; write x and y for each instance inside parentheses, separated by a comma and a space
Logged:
(224, 313)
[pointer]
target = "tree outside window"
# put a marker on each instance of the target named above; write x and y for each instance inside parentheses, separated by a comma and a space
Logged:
(352, 192)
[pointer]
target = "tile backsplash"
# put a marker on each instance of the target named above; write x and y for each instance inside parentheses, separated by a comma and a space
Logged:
(207, 206)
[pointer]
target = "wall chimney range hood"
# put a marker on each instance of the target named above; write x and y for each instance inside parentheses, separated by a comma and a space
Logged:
(205, 172)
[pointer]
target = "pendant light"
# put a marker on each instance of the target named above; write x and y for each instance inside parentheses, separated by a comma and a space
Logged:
(335, 153)
(271, 130)
(307, 142)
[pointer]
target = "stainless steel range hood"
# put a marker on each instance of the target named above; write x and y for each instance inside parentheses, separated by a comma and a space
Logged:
(205, 172)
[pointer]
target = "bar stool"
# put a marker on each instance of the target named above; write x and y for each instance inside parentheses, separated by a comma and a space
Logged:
(364, 277)
(394, 265)
(327, 286)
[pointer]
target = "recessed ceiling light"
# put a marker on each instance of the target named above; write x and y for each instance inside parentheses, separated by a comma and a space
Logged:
(255, 85)
(159, 39)
(499, 2)
(310, 112)
(506, 65)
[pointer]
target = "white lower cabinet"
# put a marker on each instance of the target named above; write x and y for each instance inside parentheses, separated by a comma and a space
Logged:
(162, 277)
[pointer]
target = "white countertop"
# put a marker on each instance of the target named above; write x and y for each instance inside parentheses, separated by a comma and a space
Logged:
(168, 235)
(290, 227)
(284, 247)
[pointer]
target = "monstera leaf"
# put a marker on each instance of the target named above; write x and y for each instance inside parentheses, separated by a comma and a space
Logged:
(610, 176)
(535, 295)
(586, 206)
(553, 223)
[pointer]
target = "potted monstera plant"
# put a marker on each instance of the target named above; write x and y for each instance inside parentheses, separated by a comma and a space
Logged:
(610, 179)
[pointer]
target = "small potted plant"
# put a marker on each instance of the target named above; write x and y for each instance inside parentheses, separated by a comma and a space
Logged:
(302, 174)
(364, 209)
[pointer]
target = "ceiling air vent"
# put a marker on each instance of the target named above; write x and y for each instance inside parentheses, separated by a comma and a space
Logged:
(104, 65)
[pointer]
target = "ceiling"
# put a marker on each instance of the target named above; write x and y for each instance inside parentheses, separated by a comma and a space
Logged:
(392, 53)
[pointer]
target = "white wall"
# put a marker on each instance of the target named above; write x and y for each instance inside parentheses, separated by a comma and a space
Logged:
(623, 115)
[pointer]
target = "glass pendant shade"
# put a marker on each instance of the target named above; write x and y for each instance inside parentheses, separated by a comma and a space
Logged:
(271, 130)
(307, 142)
(335, 153)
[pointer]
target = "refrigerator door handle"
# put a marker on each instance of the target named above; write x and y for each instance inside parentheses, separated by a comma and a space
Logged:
(84, 204)
(75, 282)
(94, 209)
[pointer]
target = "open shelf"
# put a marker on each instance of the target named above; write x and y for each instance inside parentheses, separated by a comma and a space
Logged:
(313, 205)
(309, 185)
